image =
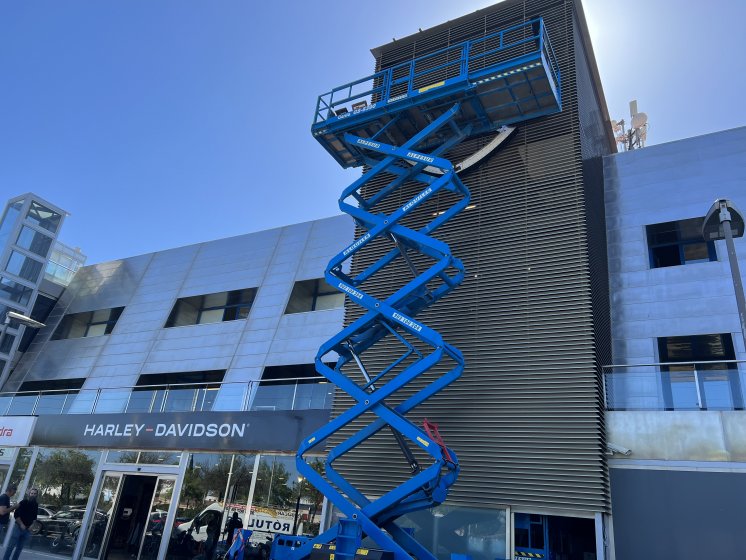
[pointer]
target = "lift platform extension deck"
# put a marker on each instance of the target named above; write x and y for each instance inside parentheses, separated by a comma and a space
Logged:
(501, 79)
(399, 122)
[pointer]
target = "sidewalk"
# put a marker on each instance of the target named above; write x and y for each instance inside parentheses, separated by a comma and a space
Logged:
(38, 554)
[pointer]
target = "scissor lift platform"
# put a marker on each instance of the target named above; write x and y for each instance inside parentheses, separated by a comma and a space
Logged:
(500, 79)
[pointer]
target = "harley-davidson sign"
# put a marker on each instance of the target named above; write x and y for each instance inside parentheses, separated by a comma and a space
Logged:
(230, 431)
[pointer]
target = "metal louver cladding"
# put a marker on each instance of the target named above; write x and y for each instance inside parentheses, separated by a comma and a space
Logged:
(531, 318)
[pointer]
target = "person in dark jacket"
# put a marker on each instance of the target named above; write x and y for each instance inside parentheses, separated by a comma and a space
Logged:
(5, 509)
(233, 523)
(25, 514)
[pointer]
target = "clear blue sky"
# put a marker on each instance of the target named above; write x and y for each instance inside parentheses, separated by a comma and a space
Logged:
(160, 123)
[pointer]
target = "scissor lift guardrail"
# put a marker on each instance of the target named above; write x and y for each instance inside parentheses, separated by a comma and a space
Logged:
(412, 115)
(505, 77)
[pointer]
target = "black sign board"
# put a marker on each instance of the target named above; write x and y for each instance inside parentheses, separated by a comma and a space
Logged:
(281, 430)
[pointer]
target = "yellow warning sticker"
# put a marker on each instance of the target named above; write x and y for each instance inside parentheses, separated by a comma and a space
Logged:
(423, 442)
(431, 86)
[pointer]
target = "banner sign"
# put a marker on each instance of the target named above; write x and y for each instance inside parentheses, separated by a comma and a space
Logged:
(15, 431)
(281, 430)
(7, 454)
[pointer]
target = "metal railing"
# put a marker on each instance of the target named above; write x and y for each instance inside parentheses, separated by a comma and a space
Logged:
(710, 385)
(457, 62)
(276, 394)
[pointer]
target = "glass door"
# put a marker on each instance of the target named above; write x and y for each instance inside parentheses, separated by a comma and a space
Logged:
(156, 522)
(101, 521)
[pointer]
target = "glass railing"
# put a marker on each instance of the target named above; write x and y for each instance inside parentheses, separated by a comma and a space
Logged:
(279, 394)
(676, 386)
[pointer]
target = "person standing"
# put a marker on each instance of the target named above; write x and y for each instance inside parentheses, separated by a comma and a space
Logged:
(233, 523)
(25, 514)
(5, 509)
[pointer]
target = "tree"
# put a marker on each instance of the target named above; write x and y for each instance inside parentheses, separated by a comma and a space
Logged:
(69, 471)
(272, 488)
(315, 497)
(192, 489)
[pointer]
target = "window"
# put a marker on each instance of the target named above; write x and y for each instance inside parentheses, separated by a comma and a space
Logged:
(313, 295)
(702, 381)
(175, 392)
(43, 217)
(24, 267)
(43, 306)
(9, 221)
(63, 263)
(14, 291)
(89, 323)
(14, 325)
(680, 242)
(292, 387)
(55, 396)
(6, 343)
(212, 308)
(34, 241)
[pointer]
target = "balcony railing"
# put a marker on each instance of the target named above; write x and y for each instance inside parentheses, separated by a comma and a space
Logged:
(277, 394)
(676, 386)
(460, 62)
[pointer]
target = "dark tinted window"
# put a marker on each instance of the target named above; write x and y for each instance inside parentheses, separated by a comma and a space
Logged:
(313, 295)
(212, 308)
(88, 323)
(677, 243)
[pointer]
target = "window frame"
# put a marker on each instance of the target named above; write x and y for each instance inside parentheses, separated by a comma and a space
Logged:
(321, 288)
(27, 256)
(681, 243)
(236, 307)
(114, 313)
(679, 366)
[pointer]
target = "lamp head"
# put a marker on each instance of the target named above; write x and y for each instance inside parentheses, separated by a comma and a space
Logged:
(23, 319)
(722, 210)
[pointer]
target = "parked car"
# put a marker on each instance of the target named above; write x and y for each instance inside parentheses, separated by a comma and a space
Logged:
(56, 524)
(63, 528)
(45, 512)
(189, 537)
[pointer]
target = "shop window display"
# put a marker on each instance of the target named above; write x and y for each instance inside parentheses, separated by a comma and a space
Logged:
(63, 478)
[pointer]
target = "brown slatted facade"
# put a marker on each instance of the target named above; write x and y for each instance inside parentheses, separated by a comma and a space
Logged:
(532, 319)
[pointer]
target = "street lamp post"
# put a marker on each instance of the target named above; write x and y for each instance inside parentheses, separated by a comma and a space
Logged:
(297, 503)
(725, 221)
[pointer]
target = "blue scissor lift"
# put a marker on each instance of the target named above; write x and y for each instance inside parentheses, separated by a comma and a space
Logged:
(399, 122)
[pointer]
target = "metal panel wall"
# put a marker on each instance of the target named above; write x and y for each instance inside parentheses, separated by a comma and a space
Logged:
(663, 183)
(526, 418)
(678, 514)
(147, 287)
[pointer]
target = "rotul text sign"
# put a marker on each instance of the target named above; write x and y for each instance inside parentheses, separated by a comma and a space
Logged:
(229, 431)
(15, 431)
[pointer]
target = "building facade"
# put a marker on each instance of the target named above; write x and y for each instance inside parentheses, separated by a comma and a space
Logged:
(35, 269)
(599, 416)
(532, 318)
(675, 391)
(173, 389)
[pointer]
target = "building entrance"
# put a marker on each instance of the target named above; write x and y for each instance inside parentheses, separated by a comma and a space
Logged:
(130, 520)
(130, 516)
(553, 537)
